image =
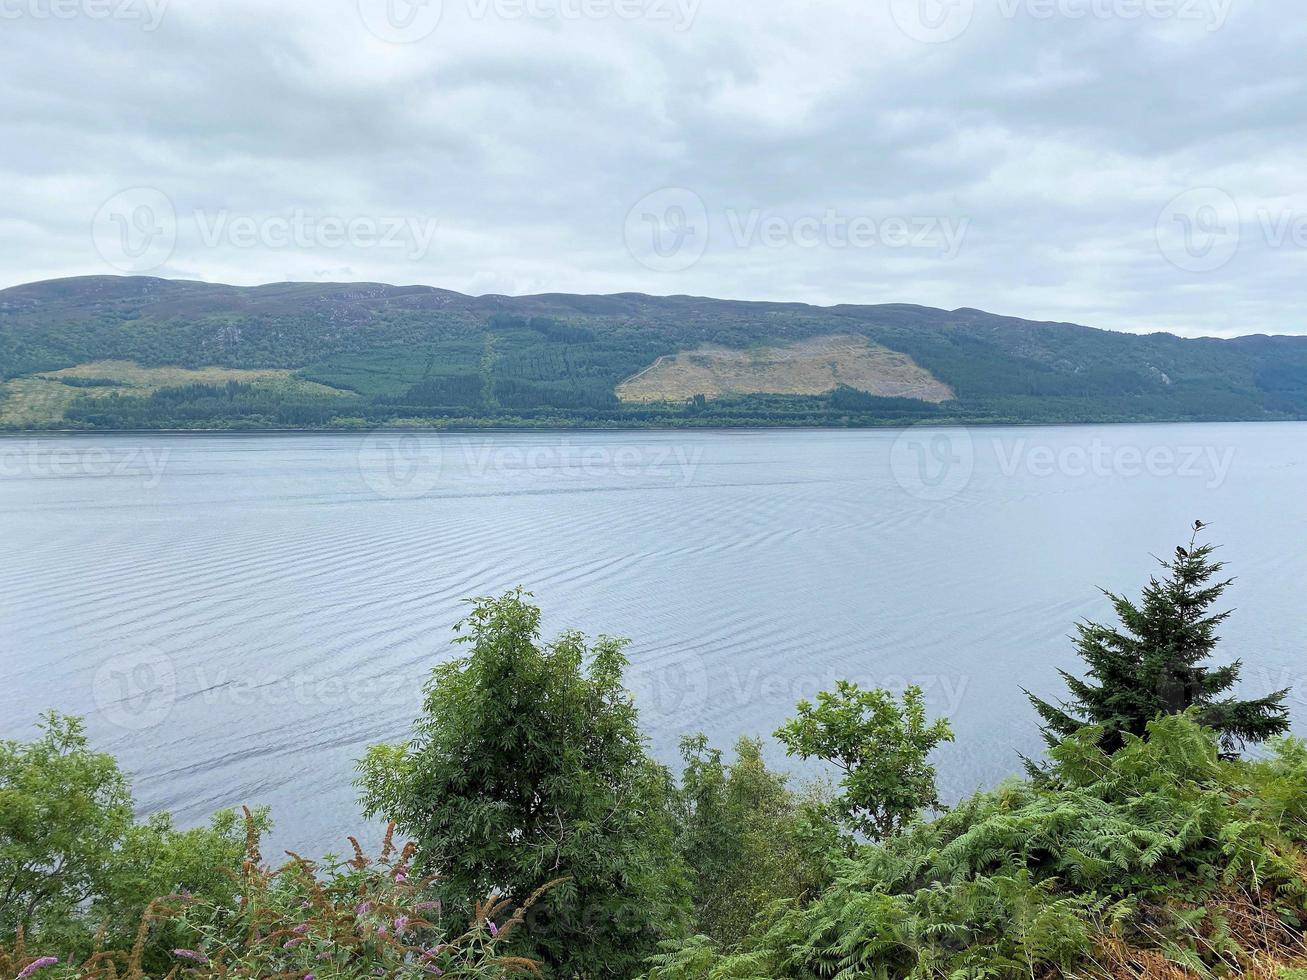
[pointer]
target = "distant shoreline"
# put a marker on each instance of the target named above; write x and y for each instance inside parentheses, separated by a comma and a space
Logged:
(504, 429)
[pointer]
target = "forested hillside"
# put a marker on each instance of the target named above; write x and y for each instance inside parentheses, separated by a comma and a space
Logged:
(352, 355)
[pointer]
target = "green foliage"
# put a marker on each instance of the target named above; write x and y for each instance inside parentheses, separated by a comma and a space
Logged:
(338, 920)
(351, 919)
(749, 840)
(1155, 848)
(72, 859)
(527, 781)
(1154, 664)
(880, 747)
(526, 766)
(64, 810)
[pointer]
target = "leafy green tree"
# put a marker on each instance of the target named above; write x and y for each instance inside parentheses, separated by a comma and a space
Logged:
(1155, 663)
(63, 811)
(528, 766)
(748, 839)
(72, 858)
(879, 745)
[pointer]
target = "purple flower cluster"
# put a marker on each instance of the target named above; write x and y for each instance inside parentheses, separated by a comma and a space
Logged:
(35, 965)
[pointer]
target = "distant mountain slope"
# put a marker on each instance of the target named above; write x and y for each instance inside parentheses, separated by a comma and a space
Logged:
(420, 355)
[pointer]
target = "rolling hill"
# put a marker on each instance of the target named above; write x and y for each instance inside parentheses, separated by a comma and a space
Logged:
(136, 352)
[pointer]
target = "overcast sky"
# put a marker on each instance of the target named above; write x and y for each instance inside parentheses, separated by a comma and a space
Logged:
(1133, 164)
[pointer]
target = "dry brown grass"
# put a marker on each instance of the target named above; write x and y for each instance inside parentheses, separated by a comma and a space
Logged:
(1254, 942)
(42, 399)
(810, 367)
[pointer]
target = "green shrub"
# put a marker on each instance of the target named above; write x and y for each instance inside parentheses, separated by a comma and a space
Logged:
(74, 862)
(748, 839)
(528, 765)
(881, 748)
(1163, 846)
(344, 920)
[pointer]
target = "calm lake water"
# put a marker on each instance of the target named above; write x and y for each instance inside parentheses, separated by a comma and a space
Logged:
(239, 616)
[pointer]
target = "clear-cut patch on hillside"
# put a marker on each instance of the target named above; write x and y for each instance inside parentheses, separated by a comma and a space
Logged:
(42, 399)
(810, 367)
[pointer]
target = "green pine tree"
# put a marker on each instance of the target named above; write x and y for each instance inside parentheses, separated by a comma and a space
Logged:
(1155, 663)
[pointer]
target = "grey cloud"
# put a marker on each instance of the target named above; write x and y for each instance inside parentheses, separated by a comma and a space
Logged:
(1058, 140)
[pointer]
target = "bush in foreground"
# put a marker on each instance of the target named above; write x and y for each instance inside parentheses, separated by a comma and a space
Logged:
(345, 920)
(528, 764)
(748, 839)
(74, 862)
(1162, 859)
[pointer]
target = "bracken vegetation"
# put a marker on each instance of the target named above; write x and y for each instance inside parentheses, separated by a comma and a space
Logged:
(543, 839)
